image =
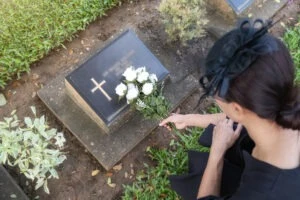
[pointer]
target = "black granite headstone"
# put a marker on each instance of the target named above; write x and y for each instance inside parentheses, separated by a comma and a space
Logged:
(95, 80)
(239, 5)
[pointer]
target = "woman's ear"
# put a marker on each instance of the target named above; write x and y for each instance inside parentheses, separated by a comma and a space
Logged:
(238, 112)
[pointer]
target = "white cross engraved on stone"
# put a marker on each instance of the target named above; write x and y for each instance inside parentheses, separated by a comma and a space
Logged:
(98, 86)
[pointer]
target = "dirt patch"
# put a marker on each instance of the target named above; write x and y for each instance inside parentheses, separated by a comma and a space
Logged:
(76, 182)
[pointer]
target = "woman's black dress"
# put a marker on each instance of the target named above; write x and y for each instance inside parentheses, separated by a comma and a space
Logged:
(243, 177)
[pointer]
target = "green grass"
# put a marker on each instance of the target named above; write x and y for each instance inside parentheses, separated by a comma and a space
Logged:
(152, 183)
(292, 40)
(30, 29)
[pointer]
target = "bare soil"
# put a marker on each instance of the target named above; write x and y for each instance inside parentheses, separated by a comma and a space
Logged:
(76, 181)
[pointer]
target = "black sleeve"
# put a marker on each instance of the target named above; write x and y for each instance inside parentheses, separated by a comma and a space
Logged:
(211, 198)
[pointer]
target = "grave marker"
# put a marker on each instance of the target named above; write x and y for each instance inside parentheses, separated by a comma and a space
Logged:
(239, 5)
(223, 15)
(92, 85)
(108, 149)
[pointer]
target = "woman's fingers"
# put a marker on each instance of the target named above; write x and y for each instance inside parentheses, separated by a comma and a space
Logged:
(230, 122)
(164, 122)
(238, 129)
(171, 119)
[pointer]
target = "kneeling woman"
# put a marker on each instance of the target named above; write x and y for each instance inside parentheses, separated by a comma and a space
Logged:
(255, 143)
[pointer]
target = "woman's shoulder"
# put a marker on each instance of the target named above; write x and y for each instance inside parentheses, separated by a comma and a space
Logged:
(266, 180)
(254, 163)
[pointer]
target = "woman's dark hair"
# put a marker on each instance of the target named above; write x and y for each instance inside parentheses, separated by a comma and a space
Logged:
(254, 69)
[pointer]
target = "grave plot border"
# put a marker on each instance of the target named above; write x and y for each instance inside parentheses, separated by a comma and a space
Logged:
(109, 149)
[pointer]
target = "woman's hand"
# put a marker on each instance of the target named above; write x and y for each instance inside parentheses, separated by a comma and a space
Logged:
(179, 120)
(224, 136)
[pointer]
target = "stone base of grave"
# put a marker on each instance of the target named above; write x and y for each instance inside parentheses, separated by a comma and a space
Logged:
(222, 18)
(107, 149)
(8, 187)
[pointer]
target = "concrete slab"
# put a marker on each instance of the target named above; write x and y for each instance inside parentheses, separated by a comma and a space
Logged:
(223, 18)
(109, 149)
(9, 188)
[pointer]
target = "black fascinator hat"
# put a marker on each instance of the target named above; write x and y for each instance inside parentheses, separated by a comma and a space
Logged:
(234, 53)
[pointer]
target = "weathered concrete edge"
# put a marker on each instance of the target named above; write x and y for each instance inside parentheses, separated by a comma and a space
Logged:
(14, 184)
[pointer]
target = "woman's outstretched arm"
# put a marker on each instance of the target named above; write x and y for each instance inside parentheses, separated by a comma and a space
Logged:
(199, 120)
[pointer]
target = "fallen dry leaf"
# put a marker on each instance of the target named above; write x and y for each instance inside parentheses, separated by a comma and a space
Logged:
(132, 171)
(95, 172)
(109, 174)
(118, 167)
(110, 184)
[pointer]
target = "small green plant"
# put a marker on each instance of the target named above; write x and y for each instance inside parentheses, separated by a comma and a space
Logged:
(34, 147)
(214, 109)
(153, 182)
(184, 19)
(292, 40)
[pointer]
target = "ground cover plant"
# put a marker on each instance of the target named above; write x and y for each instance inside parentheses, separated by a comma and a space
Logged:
(153, 183)
(31, 146)
(292, 39)
(30, 29)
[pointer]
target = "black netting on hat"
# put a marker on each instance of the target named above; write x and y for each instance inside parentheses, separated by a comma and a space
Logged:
(234, 53)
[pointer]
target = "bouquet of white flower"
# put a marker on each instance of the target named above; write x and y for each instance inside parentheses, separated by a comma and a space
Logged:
(142, 91)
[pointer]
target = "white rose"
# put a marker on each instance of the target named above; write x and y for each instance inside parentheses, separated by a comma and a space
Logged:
(132, 94)
(130, 74)
(153, 78)
(142, 77)
(147, 88)
(140, 70)
(121, 89)
(130, 86)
